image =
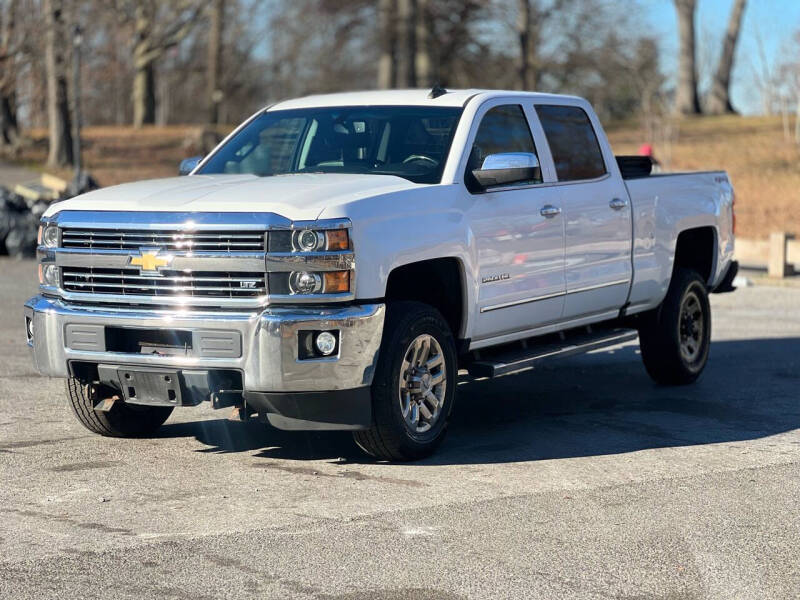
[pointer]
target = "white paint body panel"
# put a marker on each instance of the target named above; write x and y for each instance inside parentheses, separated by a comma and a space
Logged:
(396, 222)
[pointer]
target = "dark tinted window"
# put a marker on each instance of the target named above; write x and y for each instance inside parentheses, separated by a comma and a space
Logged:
(407, 141)
(502, 129)
(576, 151)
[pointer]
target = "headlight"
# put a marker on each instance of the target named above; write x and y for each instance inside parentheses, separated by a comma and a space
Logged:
(310, 261)
(48, 236)
(48, 275)
(303, 282)
(309, 240)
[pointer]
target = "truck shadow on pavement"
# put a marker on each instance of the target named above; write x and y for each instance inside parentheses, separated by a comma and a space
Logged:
(596, 404)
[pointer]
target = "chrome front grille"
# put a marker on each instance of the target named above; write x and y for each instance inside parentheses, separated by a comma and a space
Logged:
(194, 260)
(179, 241)
(195, 284)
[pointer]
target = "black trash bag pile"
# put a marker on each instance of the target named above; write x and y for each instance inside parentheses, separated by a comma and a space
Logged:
(18, 224)
(19, 217)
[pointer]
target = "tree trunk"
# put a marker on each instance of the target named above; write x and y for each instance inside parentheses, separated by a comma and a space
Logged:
(407, 38)
(422, 61)
(720, 100)
(797, 124)
(387, 63)
(58, 116)
(214, 66)
(686, 98)
(523, 34)
(9, 129)
(143, 93)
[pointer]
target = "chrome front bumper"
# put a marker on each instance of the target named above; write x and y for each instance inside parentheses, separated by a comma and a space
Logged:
(268, 356)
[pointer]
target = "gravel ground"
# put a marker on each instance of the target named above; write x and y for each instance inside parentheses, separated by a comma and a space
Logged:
(579, 480)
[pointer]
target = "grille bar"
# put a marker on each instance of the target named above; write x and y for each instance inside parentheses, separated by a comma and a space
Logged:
(162, 239)
(129, 282)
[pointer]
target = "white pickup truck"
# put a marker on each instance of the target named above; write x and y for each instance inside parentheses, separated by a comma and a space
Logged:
(338, 259)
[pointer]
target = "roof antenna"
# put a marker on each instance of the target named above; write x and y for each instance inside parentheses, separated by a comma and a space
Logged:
(436, 91)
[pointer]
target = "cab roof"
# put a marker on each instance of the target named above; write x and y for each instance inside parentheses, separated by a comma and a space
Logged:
(414, 97)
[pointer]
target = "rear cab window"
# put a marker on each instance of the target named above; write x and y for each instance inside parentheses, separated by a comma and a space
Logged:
(573, 142)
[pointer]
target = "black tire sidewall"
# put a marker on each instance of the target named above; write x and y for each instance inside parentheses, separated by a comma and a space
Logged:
(659, 334)
(406, 321)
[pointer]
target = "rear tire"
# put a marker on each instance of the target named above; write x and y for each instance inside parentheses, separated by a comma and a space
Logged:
(413, 389)
(675, 338)
(123, 420)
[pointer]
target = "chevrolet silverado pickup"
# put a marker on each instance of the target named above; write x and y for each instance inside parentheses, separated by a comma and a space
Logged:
(338, 261)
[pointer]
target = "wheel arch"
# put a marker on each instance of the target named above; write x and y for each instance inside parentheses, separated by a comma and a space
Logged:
(697, 248)
(446, 292)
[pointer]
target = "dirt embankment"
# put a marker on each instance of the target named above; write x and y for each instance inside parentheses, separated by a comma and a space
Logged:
(763, 165)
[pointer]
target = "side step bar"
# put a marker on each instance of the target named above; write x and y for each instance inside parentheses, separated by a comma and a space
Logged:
(576, 343)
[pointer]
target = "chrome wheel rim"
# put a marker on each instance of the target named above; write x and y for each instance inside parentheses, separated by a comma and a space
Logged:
(691, 327)
(423, 382)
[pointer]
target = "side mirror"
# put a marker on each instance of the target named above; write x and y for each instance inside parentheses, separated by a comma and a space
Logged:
(506, 168)
(188, 165)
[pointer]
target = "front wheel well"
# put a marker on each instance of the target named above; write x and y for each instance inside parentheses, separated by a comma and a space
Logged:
(696, 249)
(436, 282)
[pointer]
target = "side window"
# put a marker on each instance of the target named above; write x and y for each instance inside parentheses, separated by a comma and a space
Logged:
(503, 129)
(573, 143)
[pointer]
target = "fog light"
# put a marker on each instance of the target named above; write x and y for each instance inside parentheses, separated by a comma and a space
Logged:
(48, 275)
(325, 343)
(301, 282)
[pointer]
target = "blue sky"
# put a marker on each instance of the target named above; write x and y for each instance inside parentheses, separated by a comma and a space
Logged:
(774, 22)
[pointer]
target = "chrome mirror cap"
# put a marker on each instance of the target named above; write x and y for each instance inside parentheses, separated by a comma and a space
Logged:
(510, 160)
(507, 168)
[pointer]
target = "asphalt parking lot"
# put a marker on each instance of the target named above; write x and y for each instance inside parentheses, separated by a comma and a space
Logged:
(579, 480)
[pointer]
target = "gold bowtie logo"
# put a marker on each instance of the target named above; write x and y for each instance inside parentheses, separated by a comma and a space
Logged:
(149, 261)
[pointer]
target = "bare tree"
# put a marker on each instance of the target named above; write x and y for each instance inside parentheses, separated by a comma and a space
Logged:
(58, 115)
(687, 101)
(9, 46)
(525, 71)
(407, 43)
(387, 32)
(214, 66)
(422, 60)
(720, 100)
(158, 26)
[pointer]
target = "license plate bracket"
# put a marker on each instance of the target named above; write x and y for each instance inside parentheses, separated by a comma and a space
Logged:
(150, 386)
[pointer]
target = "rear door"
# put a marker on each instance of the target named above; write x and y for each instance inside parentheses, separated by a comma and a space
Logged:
(597, 213)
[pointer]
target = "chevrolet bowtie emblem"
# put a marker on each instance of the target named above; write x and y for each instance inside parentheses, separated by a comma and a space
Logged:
(149, 262)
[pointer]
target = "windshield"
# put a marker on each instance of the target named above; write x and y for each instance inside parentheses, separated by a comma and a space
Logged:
(407, 141)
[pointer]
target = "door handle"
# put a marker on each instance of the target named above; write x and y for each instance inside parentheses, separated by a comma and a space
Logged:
(549, 211)
(618, 203)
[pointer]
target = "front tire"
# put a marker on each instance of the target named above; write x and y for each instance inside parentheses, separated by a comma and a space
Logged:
(413, 389)
(675, 338)
(123, 420)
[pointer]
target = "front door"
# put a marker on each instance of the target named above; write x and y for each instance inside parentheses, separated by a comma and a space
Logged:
(519, 235)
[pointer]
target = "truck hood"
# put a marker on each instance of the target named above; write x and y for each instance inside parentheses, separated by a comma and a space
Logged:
(300, 196)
